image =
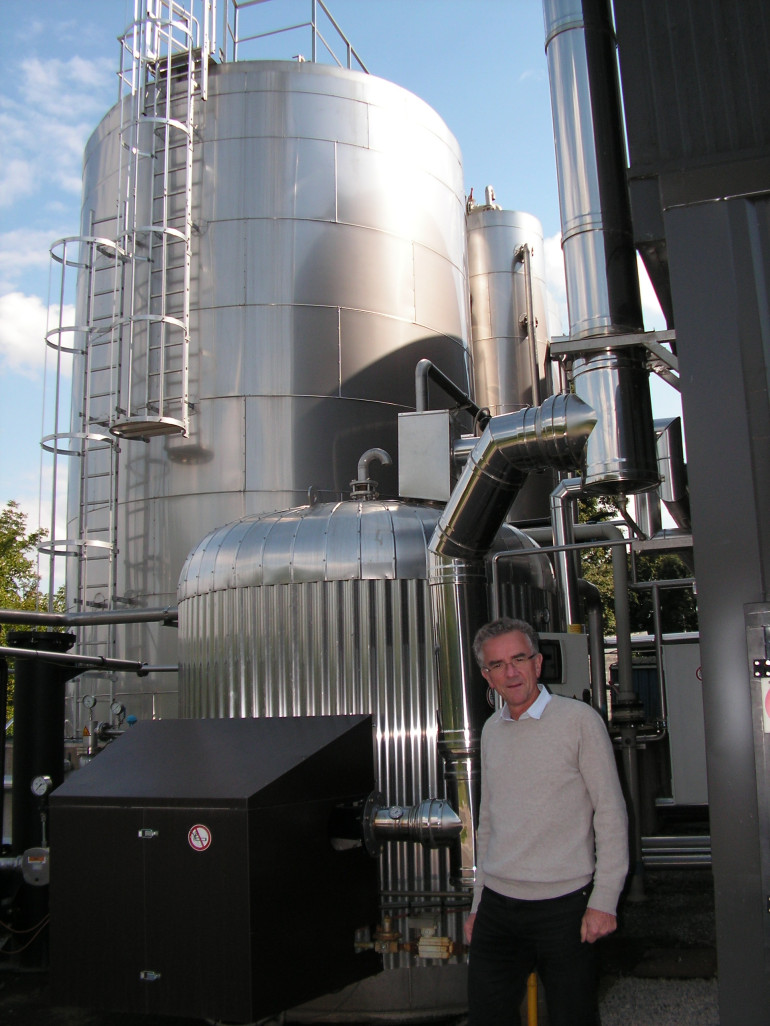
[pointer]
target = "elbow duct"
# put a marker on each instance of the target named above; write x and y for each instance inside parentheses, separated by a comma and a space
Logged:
(552, 435)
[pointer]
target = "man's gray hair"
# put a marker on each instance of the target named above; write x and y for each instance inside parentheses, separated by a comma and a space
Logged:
(504, 625)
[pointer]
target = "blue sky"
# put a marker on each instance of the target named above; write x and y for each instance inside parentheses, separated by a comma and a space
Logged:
(479, 63)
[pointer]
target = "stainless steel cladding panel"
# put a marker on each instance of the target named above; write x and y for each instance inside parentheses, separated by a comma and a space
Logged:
(497, 276)
(328, 257)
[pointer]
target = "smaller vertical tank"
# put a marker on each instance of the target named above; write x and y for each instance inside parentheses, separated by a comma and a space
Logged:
(506, 275)
(509, 371)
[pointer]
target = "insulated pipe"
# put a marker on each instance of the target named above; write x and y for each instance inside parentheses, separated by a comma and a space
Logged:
(554, 435)
(597, 241)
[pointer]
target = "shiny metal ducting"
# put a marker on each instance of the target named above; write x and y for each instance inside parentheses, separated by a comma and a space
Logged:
(552, 435)
(597, 240)
(327, 258)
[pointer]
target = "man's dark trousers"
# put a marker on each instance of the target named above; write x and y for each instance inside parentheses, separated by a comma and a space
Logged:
(513, 938)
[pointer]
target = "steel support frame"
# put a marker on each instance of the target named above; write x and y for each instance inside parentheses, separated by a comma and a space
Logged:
(719, 254)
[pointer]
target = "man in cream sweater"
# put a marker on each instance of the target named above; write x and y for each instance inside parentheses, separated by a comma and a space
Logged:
(552, 841)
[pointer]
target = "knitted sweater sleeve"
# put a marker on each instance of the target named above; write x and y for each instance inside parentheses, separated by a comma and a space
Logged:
(598, 769)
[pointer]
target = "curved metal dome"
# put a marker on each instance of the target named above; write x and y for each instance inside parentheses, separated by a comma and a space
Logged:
(340, 541)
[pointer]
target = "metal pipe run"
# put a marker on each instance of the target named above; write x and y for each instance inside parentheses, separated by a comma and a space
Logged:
(597, 240)
(427, 370)
(166, 615)
(523, 254)
(73, 658)
(682, 852)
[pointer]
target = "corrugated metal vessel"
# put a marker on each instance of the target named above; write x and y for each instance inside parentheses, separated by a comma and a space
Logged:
(325, 609)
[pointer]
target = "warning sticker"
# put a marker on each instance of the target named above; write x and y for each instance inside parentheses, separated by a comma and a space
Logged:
(199, 837)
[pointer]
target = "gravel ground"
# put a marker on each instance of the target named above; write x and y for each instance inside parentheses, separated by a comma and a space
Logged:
(631, 1001)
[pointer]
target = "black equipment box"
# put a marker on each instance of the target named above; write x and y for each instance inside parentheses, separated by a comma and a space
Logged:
(193, 874)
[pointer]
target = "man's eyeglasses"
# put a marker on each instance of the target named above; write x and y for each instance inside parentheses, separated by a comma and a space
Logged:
(500, 665)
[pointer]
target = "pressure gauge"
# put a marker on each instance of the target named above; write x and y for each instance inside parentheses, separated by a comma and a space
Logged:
(117, 708)
(41, 786)
(89, 701)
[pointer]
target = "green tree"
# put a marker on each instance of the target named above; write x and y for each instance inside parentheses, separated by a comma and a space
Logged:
(19, 580)
(678, 605)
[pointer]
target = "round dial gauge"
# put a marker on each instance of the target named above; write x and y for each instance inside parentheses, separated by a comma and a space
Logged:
(89, 701)
(41, 786)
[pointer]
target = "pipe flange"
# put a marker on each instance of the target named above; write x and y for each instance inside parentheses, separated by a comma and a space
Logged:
(372, 805)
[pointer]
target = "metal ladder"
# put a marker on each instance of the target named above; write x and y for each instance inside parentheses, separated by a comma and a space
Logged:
(129, 281)
(159, 80)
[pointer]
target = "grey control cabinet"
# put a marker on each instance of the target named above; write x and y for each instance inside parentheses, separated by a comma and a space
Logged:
(193, 873)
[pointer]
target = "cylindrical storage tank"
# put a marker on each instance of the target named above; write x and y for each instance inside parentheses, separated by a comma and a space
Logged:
(507, 286)
(327, 257)
(500, 298)
(325, 610)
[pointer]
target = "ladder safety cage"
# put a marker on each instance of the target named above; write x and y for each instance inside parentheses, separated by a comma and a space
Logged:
(83, 453)
(158, 81)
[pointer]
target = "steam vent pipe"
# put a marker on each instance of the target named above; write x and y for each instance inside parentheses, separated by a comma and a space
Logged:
(553, 435)
(597, 242)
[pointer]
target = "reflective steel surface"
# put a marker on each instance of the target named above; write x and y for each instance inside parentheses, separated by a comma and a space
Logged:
(325, 609)
(597, 240)
(498, 288)
(328, 257)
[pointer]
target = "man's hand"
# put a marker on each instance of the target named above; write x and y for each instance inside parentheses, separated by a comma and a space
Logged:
(595, 924)
(468, 927)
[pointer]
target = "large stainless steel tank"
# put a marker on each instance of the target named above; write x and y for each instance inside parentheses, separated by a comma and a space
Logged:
(325, 609)
(328, 256)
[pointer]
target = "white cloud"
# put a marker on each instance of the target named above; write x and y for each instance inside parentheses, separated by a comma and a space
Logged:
(24, 321)
(22, 250)
(46, 122)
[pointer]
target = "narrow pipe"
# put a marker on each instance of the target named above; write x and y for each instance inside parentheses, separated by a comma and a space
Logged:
(368, 458)
(617, 543)
(593, 604)
(99, 662)
(168, 615)
(523, 254)
(426, 370)
(563, 526)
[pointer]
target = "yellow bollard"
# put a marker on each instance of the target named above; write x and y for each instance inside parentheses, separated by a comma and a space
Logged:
(532, 1000)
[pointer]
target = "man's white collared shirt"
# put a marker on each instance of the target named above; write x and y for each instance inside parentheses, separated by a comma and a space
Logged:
(534, 712)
